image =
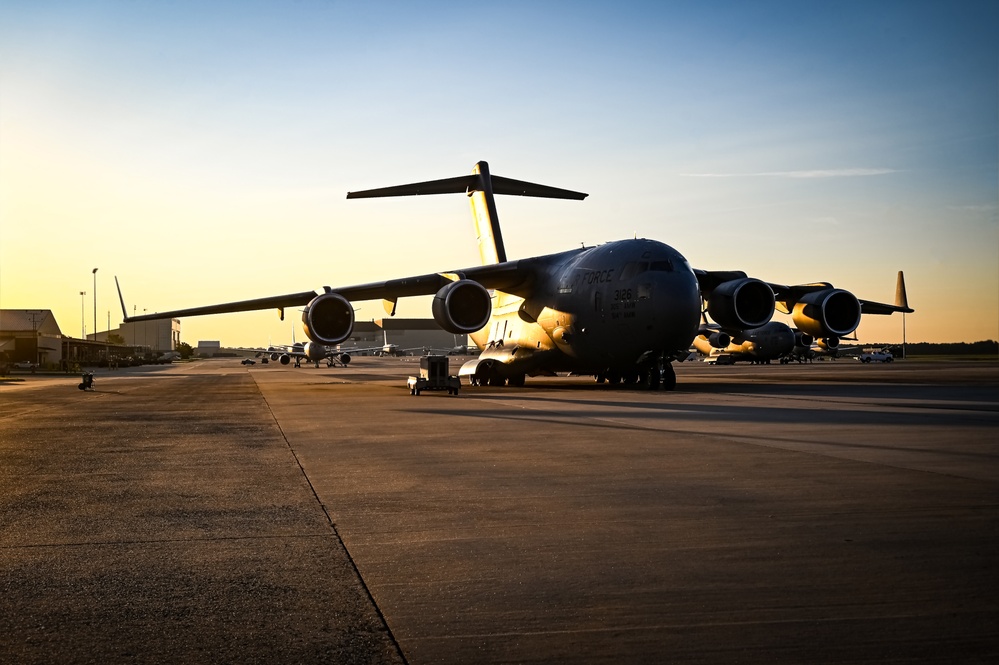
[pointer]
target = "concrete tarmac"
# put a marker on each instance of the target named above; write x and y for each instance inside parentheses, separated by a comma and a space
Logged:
(209, 512)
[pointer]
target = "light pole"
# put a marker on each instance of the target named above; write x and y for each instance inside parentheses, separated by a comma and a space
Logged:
(83, 320)
(95, 304)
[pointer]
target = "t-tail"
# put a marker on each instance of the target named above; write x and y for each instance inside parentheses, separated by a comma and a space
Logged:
(480, 187)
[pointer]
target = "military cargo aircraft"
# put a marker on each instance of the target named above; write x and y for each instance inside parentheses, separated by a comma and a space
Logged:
(621, 311)
(769, 342)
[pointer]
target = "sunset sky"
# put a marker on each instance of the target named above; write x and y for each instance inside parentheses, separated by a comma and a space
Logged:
(202, 152)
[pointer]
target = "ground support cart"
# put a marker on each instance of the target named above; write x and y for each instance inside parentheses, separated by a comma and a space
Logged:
(433, 376)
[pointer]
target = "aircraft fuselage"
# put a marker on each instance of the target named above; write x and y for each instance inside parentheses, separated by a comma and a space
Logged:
(605, 308)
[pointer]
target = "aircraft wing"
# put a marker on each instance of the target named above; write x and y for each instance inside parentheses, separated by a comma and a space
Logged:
(789, 295)
(516, 277)
(871, 307)
(786, 296)
(273, 302)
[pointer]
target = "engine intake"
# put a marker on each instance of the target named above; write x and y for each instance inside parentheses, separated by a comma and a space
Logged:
(827, 313)
(829, 343)
(741, 303)
(716, 338)
(328, 319)
(462, 307)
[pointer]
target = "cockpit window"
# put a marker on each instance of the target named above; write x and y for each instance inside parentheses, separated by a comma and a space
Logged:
(662, 266)
(632, 269)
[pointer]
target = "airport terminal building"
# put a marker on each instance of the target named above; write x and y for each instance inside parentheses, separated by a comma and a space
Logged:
(156, 336)
(30, 335)
(34, 335)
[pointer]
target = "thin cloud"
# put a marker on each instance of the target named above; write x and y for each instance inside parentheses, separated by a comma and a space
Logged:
(976, 208)
(817, 173)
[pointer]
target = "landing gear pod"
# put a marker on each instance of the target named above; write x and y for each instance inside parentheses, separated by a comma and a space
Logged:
(328, 319)
(462, 307)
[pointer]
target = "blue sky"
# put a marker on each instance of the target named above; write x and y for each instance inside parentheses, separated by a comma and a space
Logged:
(202, 154)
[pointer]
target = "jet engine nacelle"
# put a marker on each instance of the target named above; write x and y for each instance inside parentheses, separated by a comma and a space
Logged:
(829, 343)
(328, 319)
(803, 339)
(462, 307)
(740, 304)
(717, 339)
(827, 313)
(285, 358)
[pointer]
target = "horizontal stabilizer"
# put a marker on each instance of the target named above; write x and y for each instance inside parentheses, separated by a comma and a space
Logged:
(503, 185)
(467, 184)
(458, 185)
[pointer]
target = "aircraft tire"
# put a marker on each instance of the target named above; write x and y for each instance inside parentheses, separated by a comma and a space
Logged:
(669, 377)
(654, 380)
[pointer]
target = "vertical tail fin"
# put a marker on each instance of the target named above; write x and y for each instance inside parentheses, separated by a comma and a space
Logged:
(901, 299)
(487, 228)
(121, 299)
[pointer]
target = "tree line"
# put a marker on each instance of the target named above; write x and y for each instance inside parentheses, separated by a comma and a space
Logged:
(983, 348)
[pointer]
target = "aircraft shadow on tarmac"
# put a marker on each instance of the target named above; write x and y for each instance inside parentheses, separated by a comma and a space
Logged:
(611, 419)
(562, 409)
(852, 391)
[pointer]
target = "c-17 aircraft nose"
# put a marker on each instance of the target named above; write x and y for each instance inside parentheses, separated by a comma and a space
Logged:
(646, 298)
(679, 306)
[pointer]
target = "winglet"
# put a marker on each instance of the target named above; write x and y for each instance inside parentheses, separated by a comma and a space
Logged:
(124, 312)
(901, 299)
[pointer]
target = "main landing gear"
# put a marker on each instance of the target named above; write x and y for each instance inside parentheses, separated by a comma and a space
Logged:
(654, 375)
